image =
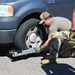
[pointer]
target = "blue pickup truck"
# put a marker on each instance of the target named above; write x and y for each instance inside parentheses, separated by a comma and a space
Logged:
(19, 20)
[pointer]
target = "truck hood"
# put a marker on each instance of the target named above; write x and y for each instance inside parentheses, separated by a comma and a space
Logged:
(7, 1)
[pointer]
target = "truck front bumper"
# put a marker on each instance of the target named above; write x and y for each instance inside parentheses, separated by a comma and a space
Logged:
(7, 36)
(8, 28)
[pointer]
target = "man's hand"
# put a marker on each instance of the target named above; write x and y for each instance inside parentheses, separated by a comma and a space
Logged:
(38, 49)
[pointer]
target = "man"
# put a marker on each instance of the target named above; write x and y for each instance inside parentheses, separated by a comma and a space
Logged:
(58, 31)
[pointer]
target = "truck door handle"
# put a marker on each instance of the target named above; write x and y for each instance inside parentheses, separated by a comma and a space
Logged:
(51, 1)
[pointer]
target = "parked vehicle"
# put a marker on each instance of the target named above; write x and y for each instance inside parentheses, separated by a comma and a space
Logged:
(19, 20)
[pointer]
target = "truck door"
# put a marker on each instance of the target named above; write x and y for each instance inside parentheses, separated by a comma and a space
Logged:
(61, 7)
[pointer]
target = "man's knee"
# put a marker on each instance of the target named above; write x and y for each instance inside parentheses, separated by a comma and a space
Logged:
(55, 43)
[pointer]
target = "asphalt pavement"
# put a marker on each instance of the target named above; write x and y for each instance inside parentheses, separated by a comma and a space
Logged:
(31, 65)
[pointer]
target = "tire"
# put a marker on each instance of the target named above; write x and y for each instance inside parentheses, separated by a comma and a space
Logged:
(27, 34)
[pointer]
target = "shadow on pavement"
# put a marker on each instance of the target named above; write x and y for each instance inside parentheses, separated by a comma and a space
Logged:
(58, 69)
(4, 49)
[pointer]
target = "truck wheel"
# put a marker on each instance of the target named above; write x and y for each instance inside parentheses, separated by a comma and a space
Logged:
(29, 35)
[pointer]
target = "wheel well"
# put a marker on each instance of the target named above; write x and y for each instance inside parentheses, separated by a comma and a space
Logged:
(33, 15)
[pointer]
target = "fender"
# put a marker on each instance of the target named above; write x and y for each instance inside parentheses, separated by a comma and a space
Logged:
(29, 7)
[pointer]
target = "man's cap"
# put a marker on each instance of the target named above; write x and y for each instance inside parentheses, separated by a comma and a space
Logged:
(44, 16)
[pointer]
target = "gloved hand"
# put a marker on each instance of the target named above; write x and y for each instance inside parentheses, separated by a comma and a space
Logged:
(38, 49)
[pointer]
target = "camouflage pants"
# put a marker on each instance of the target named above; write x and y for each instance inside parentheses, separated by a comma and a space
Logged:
(57, 39)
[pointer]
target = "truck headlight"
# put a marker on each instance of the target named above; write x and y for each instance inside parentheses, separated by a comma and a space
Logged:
(6, 10)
